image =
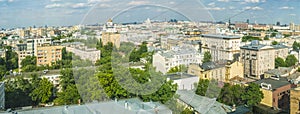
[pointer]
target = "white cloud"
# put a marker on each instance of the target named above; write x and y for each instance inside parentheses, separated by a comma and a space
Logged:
(252, 1)
(79, 5)
(292, 14)
(55, 0)
(212, 4)
(50, 6)
(97, 1)
(138, 2)
(231, 7)
(7, 0)
(253, 8)
(215, 8)
(104, 6)
(286, 8)
(223, 0)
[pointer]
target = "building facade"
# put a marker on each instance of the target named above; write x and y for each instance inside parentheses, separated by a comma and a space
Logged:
(165, 60)
(257, 59)
(46, 55)
(295, 101)
(221, 47)
(89, 54)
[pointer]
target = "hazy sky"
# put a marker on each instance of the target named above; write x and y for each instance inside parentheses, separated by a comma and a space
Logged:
(24, 13)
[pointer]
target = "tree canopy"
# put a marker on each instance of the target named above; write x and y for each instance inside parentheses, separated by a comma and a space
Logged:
(207, 57)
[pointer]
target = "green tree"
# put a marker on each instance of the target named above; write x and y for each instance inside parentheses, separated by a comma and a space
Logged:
(69, 96)
(252, 95)
(273, 34)
(296, 46)
(43, 92)
(207, 57)
(231, 94)
(275, 43)
(67, 78)
(202, 87)
(291, 60)
(187, 111)
(180, 68)
(279, 62)
(250, 38)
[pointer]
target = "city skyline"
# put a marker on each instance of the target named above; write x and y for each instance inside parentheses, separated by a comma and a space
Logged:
(24, 13)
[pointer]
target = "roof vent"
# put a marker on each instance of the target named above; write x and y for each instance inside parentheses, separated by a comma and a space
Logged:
(266, 86)
(275, 77)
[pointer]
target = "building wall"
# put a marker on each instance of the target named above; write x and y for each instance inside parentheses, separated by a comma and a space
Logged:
(111, 37)
(268, 97)
(159, 63)
(283, 53)
(92, 55)
(194, 69)
(2, 95)
(295, 101)
(281, 97)
(257, 62)
(233, 70)
(48, 54)
(221, 49)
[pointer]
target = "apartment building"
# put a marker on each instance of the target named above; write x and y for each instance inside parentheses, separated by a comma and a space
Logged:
(221, 71)
(221, 47)
(165, 60)
(46, 55)
(2, 95)
(110, 34)
(258, 58)
(86, 53)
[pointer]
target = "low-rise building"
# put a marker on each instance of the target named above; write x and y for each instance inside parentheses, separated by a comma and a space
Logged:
(202, 104)
(276, 92)
(222, 71)
(165, 60)
(184, 81)
(86, 53)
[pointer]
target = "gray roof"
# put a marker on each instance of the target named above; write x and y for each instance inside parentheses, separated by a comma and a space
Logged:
(203, 104)
(280, 71)
(181, 51)
(135, 106)
(179, 75)
(274, 83)
(221, 36)
(279, 46)
(211, 65)
(253, 47)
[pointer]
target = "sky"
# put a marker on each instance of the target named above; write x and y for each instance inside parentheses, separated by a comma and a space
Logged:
(25, 13)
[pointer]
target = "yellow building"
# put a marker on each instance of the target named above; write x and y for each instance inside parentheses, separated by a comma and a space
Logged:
(110, 34)
(295, 101)
(46, 55)
(114, 38)
(235, 69)
(218, 71)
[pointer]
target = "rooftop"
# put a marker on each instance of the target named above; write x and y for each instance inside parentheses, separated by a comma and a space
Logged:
(126, 106)
(221, 36)
(179, 75)
(274, 83)
(280, 71)
(212, 65)
(203, 104)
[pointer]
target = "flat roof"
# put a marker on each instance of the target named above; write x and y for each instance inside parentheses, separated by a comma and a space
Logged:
(179, 75)
(221, 36)
(274, 83)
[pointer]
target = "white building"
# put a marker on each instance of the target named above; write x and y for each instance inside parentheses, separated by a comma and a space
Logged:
(221, 47)
(86, 53)
(54, 79)
(165, 60)
(2, 96)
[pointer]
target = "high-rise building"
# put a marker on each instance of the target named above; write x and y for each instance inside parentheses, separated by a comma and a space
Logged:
(258, 58)
(295, 101)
